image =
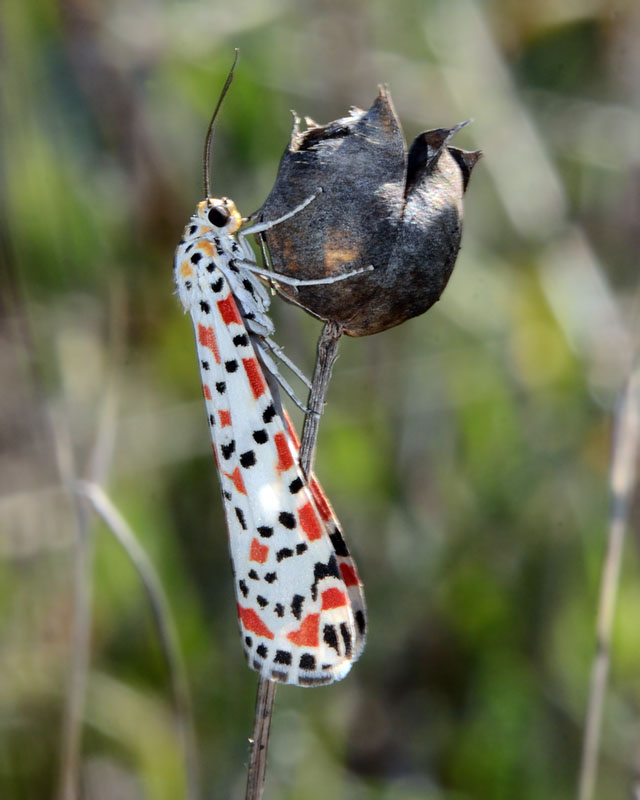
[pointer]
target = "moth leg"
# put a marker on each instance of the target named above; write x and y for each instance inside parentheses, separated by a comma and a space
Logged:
(276, 276)
(279, 353)
(265, 226)
(271, 366)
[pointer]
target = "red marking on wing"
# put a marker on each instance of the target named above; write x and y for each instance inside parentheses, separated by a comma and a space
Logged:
(285, 459)
(319, 497)
(236, 477)
(206, 391)
(333, 598)
(225, 418)
(259, 552)
(291, 430)
(310, 522)
(252, 623)
(322, 504)
(207, 338)
(229, 310)
(349, 575)
(307, 633)
(256, 378)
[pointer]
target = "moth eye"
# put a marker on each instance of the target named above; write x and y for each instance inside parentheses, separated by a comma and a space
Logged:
(218, 216)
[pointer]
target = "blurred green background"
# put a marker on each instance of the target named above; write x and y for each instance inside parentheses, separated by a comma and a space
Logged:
(466, 452)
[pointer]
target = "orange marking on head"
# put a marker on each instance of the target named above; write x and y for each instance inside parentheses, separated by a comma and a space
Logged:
(333, 598)
(229, 311)
(307, 633)
(256, 378)
(186, 270)
(349, 575)
(252, 623)
(225, 418)
(206, 391)
(285, 459)
(236, 477)
(310, 522)
(320, 499)
(206, 248)
(207, 338)
(259, 552)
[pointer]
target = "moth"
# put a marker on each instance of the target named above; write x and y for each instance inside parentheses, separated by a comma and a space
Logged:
(300, 601)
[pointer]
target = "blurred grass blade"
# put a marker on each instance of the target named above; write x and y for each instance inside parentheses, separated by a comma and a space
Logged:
(163, 619)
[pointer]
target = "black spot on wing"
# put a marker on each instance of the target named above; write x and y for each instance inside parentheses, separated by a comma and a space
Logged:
(296, 605)
(266, 531)
(248, 459)
(282, 657)
(287, 519)
(328, 570)
(307, 661)
(268, 414)
(346, 638)
(295, 485)
(261, 650)
(339, 544)
(228, 450)
(322, 570)
(330, 637)
(314, 680)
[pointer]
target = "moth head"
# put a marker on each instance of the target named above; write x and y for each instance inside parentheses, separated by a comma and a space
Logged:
(220, 215)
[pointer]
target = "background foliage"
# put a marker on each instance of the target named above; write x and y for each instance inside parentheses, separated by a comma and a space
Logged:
(466, 451)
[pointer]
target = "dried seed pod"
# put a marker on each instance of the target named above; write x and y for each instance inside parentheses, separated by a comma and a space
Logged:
(379, 205)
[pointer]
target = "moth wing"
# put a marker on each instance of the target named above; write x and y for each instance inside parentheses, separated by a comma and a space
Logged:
(295, 609)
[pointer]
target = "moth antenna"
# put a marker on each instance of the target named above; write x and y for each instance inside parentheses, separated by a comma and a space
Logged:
(209, 139)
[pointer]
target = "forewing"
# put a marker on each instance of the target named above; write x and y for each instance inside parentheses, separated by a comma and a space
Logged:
(296, 610)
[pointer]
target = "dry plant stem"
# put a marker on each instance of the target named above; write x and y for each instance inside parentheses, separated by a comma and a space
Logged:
(161, 610)
(325, 359)
(623, 458)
